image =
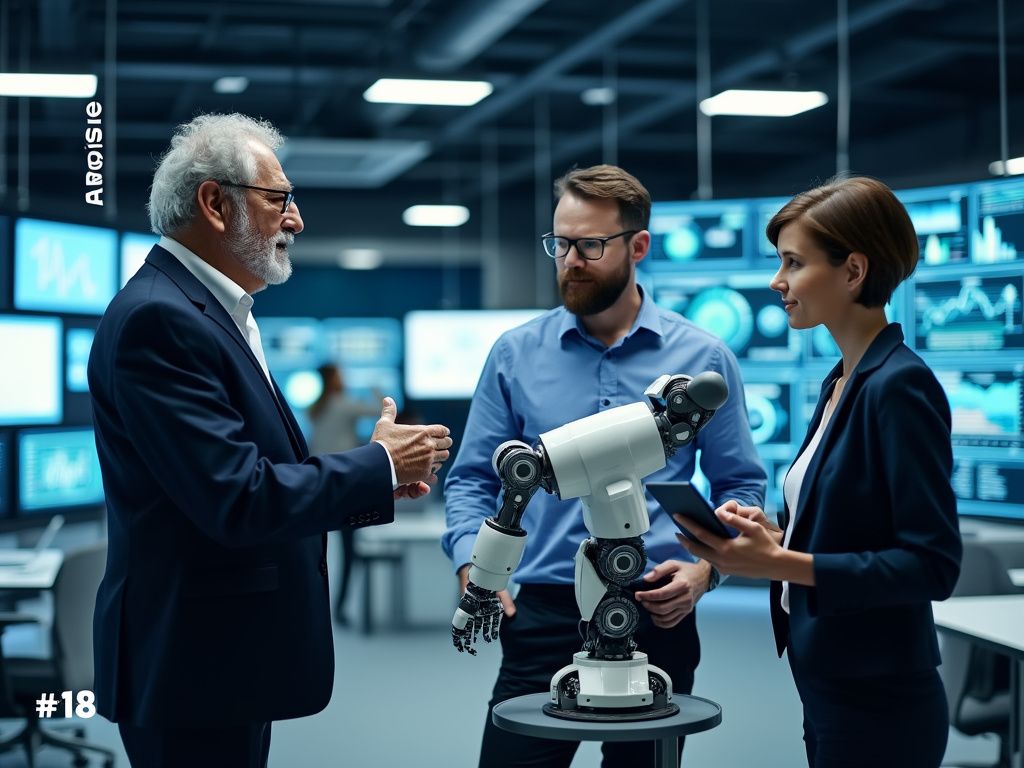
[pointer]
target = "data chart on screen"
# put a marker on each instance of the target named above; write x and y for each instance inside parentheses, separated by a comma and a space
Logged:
(58, 468)
(64, 267)
(968, 314)
(998, 234)
(941, 218)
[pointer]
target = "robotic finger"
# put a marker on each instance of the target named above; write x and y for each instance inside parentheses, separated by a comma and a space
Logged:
(479, 613)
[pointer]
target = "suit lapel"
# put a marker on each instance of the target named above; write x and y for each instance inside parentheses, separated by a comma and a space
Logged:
(201, 297)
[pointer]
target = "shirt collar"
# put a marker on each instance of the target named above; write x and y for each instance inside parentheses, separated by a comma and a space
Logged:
(647, 318)
(228, 293)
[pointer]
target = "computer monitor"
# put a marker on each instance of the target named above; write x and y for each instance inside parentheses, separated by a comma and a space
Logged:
(990, 486)
(291, 343)
(972, 313)
(64, 268)
(135, 246)
(737, 306)
(77, 346)
(997, 234)
(941, 219)
(445, 350)
(58, 469)
(352, 342)
(769, 408)
(31, 370)
(697, 234)
(987, 403)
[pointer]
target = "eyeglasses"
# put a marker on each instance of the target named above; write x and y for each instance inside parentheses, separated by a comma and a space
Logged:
(589, 248)
(289, 195)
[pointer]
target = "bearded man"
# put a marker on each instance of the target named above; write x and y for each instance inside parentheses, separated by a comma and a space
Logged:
(213, 617)
(600, 350)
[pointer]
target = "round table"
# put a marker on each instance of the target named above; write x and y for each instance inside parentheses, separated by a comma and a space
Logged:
(524, 715)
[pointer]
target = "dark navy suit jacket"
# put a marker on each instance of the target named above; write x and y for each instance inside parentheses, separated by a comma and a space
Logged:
(878, 513)
(214, 608)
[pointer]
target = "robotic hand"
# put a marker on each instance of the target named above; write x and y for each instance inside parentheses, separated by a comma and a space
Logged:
(599, 459)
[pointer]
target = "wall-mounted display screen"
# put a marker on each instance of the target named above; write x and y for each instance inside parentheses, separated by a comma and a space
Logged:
(65, 268)
(739, 308)
(292, 342)
(58, 468)
(445, 350)
(766, 209)
(987, 405)
(31, 371)
(998, 234)
(974, 313)
(6, 265)
(769, 408)
(989, 486)
(5, 473)
(363, 341)
(77, 346)
(693, 232)
(135, 246)
(941, 217)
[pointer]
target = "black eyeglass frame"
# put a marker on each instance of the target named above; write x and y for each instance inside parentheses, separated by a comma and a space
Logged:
(570, 243)
(289, 195)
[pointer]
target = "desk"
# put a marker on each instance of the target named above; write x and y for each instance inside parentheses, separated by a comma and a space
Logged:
(39, 573)
(524, 715)
(996, 622)
(387, 544)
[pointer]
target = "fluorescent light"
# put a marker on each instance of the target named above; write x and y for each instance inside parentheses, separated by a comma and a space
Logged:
(598, 97)
(1014, 166)
(763, 103)
(360, 258)
(436, 215)
(456, 93)
(60, 86)
(230, 84)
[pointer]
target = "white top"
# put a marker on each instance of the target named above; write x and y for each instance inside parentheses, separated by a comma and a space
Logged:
(228, 293)
(794, 481)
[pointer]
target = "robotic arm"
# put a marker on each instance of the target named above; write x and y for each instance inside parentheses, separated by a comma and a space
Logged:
(599, 459)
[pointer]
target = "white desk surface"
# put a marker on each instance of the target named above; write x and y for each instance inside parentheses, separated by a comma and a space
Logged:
(997, 619)
(39, 573)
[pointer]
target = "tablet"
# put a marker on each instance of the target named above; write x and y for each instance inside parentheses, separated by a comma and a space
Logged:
(683, 499)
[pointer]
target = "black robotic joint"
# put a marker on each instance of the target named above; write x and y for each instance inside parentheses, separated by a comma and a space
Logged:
(620, 561)
(616, 618)
(518, 465)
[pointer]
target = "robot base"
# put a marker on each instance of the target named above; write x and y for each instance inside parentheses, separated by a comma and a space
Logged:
(603, 690)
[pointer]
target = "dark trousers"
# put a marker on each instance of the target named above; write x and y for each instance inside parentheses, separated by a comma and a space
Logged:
(888, 721)
(243, 746)
(348, 554)
(541, 639)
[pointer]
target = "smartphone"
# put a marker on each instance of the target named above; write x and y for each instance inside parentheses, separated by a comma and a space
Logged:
(682, 498)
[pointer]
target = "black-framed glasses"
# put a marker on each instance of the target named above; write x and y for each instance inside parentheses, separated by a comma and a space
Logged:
(289, 195)
(589, 248)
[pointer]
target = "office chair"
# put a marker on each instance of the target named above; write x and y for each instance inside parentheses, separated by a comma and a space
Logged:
(70, 665)
(977, 680)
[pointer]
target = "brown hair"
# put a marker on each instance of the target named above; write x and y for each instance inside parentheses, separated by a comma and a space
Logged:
(848, 214)
(609, 182)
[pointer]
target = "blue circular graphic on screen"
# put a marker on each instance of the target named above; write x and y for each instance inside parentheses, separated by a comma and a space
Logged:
(763, 417)
(772, 321)
(683, 244)
(725, 313)
(823, 343)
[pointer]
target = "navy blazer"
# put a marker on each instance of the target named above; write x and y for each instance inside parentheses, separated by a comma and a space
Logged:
(214, 608)
(878, 513)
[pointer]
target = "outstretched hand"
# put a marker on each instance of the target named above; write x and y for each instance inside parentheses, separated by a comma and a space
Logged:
(417, 451)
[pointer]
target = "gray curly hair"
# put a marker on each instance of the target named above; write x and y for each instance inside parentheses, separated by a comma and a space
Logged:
(210, 147)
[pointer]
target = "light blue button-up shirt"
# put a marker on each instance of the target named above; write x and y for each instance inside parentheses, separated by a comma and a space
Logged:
(549, 372)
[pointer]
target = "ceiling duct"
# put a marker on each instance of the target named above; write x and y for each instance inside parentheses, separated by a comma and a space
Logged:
(469, 30)
(349, 163)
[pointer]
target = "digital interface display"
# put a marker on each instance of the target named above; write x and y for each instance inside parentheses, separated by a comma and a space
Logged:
(5, 473)
(940, 216)
(369, 341)
(291, 342)
(445, 350)
(974, 313)
(987, 406)
(766, 209)
(993, 487)
(31, 374)
(998, 234)
(58, 468)
(77, 346)
(135, 247)
(687, 232)
(64, 267)
(744, 312)
(768, 408)
(6, 266)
